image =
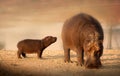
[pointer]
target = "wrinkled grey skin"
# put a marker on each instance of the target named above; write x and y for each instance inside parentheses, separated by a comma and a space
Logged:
(83, 34)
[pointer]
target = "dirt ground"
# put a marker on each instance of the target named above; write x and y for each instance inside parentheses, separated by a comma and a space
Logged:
(52, 64)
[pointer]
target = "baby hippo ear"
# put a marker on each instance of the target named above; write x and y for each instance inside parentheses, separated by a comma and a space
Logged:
(47, 38)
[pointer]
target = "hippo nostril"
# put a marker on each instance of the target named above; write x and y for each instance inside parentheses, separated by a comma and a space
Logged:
(55, 38)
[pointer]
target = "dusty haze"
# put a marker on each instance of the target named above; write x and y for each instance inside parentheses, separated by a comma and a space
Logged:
(21, 19)
(35, 19)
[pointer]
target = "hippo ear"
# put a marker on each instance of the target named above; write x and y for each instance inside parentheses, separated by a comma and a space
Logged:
(47, 38)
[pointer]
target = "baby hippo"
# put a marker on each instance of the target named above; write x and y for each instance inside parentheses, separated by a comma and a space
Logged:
(34, 46)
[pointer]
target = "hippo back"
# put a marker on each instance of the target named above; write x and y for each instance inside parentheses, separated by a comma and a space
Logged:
(78, 29)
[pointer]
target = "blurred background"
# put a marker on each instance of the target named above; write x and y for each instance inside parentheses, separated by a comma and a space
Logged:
(35, 19)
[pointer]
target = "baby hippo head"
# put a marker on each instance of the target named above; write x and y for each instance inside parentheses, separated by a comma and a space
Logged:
(49, 40)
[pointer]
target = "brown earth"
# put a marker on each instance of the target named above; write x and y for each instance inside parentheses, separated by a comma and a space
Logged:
(52, 64)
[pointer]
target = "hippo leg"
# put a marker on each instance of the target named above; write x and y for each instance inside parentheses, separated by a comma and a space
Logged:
(19, 54)
(67, 55)
(80, 57)
(39, 54)
(24, 55)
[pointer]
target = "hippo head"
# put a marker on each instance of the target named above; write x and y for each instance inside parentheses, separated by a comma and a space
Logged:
(49, 40)
(93, 51)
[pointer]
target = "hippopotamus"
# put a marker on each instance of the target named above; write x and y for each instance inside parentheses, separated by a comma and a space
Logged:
(83, 34)
(34, 46)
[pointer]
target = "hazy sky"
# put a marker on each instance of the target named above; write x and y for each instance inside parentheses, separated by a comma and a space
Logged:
(21, 19)
(13, 12)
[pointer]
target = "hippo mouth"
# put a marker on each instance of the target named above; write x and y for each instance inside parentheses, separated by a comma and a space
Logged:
(55, 38)
(93, 65)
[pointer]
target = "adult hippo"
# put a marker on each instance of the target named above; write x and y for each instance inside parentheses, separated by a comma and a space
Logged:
(83, 34)
(34, 46)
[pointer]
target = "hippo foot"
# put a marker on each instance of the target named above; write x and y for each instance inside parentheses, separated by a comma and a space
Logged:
(68, 61)
(79, 64)
(19, 57)
(40, 58)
